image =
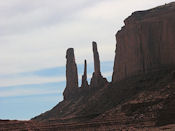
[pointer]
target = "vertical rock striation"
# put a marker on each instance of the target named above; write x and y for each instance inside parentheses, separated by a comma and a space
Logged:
(97, 79)
(71, 75)
(84, 83)
(145, 43)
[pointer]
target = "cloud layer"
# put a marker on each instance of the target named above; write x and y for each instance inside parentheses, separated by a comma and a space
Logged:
(35, 34)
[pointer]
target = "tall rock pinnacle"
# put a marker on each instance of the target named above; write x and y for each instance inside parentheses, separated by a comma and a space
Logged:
(71, 74)
(96, 58)
(84, 83)
(97, 79)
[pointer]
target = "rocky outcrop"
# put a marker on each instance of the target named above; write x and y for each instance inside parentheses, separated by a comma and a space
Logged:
(97, 79)
(71, 75)
(84, 83)
(145, 43)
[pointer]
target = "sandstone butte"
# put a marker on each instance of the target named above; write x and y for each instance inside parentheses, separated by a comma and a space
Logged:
(141, 95)
(145, 43)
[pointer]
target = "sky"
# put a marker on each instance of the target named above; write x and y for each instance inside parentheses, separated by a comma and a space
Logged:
(34, 37)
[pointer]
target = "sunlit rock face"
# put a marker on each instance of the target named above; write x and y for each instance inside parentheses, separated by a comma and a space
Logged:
(145, 43)
(71, 75)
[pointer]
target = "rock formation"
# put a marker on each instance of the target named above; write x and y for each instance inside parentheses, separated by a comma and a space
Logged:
(97, 79)
(145, 43)
(84, 83)
(141, 102)
(71, 75)
(96, 59)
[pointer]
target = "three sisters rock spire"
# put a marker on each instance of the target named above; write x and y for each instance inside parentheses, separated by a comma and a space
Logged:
(97, 79)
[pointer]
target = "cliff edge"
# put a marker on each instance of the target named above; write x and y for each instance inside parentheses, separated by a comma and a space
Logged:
(145, 43)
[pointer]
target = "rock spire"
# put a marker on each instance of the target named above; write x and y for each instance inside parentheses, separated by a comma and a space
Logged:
(97, 79)
(84, 83)
(96, 59)
(71, 74)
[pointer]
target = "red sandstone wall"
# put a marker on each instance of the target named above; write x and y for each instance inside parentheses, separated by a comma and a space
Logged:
(147, 41)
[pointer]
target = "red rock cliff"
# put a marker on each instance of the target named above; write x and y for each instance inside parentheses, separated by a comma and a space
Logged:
(146, 42)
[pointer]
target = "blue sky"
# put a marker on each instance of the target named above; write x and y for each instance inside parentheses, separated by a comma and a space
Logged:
(34, 37)
(28, 100)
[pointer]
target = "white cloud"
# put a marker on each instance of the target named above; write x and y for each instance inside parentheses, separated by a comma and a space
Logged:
(36, 34)
(25, 80)
(27, 92)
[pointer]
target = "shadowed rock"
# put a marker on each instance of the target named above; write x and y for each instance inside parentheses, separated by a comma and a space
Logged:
(97, 79)
(71, 74)
(96, 58)
(84, 83)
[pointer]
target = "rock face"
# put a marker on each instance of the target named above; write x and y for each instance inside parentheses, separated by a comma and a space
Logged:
(84, 83)
(145, 43)
(71, 75)
(97, 79)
